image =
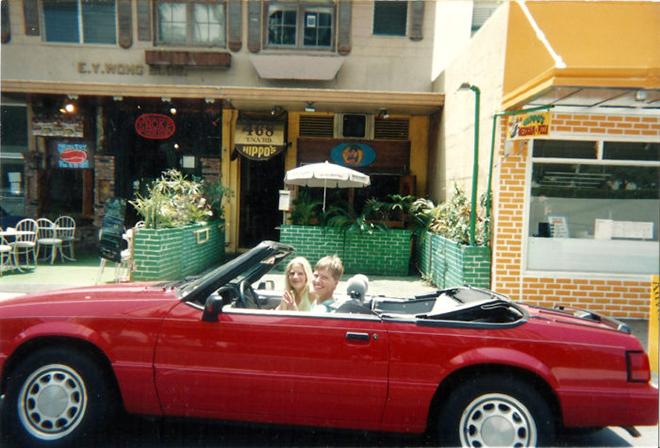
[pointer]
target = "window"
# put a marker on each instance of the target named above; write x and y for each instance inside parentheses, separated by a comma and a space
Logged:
(598, 213)
(481, 11)
(13, 148)
(390, 18)
(191, 23)
(80, 21)
(300, 25)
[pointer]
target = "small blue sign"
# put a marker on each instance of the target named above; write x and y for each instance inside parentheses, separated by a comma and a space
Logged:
(354, 155)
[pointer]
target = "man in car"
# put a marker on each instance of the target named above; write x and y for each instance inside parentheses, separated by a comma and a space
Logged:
(327, 272)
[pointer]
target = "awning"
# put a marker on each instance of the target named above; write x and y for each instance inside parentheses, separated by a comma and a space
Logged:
(559, 44)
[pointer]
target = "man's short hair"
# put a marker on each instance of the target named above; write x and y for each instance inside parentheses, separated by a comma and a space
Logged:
(333, 264)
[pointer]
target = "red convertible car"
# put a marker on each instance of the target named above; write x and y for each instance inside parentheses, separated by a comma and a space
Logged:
(468, 364)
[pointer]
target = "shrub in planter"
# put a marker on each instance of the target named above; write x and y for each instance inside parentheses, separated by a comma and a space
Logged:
(174, 201)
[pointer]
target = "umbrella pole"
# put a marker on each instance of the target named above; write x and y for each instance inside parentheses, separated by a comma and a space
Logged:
(325, 184)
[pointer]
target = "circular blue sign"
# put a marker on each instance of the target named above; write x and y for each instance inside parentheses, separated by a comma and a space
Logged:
(353, 155)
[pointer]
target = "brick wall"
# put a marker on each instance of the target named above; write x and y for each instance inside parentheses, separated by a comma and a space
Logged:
(448, 264)
(379, 253)
(172, 254)
(612, 296)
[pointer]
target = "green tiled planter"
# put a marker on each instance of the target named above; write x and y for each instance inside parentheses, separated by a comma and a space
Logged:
(384, 252)
(448, 264)
(172, 254)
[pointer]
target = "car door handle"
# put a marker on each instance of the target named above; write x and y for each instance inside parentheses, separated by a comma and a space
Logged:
(360, 337)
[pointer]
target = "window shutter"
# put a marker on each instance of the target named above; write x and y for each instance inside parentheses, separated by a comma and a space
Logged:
(124, 17)
(254, 26)
(144, 20)
(344, 27)
(416, 19)
(6, 32)
(31, 16)
(235, 21)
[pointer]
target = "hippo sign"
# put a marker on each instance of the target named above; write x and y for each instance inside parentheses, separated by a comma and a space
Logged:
(354, 155)
(73, 155)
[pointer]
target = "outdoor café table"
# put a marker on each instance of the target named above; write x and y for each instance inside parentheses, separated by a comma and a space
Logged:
(12, 236)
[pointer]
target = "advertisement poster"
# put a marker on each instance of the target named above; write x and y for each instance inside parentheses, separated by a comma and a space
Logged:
(531, 125)
(73, 155)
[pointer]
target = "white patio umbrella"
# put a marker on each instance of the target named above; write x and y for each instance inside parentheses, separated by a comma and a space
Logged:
(326, 175)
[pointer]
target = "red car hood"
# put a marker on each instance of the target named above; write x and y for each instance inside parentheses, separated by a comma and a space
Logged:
(104, 300)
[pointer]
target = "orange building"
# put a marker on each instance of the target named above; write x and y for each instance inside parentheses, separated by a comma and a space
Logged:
(575, 208)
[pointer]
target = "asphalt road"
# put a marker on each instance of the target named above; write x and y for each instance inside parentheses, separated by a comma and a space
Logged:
(140, 432)
(170, 433)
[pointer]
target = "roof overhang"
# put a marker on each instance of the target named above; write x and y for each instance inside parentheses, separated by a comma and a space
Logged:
(595, 53)
(248, 98)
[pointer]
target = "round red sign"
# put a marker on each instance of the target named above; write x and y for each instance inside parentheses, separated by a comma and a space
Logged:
(155, 126)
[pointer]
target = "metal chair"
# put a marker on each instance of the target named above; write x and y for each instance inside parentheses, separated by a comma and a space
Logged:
(47, 237)
(66, 231)
(6, 255)
(25, 243)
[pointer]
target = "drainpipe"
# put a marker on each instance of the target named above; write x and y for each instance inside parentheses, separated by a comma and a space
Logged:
(496, 115)
(475, 163)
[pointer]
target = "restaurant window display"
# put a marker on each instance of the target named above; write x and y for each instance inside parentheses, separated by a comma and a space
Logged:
(594, 207)
(148, 137)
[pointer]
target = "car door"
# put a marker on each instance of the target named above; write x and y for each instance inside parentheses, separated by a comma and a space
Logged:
(271, 366)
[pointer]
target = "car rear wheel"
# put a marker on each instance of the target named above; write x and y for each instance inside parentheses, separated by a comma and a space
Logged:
(55, 397)
(495, 410)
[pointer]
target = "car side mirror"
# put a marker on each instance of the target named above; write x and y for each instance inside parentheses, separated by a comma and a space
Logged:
(212, 308)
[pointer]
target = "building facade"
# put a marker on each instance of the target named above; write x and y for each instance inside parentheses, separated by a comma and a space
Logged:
(112, 92)
(576, 207)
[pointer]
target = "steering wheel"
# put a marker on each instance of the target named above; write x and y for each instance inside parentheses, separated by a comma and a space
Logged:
(247, 298)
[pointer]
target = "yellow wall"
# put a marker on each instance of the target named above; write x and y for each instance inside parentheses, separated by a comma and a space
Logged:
(230, 171)
(419, 151)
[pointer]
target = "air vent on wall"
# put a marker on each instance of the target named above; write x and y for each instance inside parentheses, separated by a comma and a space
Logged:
(359, 126)
(391, 129)
(316, 126)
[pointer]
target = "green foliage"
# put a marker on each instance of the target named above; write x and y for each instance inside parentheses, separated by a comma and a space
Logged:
(344, 217)
(174, 200)
(305, 209)
(452, 218)
(215, 193)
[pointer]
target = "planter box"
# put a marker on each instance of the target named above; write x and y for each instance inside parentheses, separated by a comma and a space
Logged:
(448, 264)
(385, 252)
(173, 254)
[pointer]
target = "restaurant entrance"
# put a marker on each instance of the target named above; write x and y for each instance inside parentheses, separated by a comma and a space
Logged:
(259, 214)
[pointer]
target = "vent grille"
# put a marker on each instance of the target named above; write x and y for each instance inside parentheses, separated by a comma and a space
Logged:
(391, 129)
(317, 126)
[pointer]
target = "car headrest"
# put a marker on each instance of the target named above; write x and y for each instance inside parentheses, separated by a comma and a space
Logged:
(357, 287)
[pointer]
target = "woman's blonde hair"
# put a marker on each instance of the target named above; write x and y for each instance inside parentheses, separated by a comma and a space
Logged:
(307, 268)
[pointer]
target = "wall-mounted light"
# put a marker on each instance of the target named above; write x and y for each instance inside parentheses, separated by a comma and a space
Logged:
(68, 107)
(641, 95)
(72, 97)
(166, 99)
(276, 110)
(118, 98)
(176, 146)
(383, 113)
(309, 106)
(475, 163)
(173, 110)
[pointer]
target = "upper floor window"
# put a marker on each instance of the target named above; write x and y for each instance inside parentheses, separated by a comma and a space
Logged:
(191, 23)
(302, 25)
(80, 21)
(390, 17)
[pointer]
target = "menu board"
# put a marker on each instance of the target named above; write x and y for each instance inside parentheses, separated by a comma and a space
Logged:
(112, 229)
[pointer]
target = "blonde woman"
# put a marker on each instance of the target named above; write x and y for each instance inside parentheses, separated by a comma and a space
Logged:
(297, 282)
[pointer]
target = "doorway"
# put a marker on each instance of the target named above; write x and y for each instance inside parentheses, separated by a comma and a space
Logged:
(259, 214)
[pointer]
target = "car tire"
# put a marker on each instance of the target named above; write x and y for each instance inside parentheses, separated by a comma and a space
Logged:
(57, 397)
(495, 410)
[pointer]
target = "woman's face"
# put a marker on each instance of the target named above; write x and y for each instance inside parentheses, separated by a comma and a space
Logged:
(297, 277)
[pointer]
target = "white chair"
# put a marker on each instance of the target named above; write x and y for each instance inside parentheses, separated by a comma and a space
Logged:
(25, 243)
(126, 264)
(47, 238)
(66, 231)
(6, 255)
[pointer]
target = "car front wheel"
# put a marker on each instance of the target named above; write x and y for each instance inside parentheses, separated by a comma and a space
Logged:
(495, 410)
(56, 397)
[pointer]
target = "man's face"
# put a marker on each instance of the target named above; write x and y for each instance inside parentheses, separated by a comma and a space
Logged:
(324, 284)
